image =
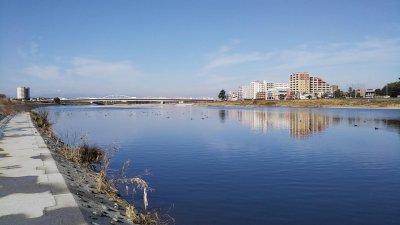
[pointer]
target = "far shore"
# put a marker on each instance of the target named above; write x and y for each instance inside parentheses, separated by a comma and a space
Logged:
(313, 103)
(393, 103)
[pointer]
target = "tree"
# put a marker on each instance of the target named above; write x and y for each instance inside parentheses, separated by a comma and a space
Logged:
(57, 100)
(379, 92)
(222, 95)
(392, 89)
(338, 94)
(351, 92)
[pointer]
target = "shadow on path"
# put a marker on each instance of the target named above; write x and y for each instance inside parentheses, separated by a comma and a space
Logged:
(26, 184)
(62, 216)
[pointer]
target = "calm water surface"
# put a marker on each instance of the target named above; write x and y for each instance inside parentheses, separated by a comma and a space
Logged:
(253, 166)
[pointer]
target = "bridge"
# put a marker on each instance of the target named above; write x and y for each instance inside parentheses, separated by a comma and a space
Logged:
(123, 99)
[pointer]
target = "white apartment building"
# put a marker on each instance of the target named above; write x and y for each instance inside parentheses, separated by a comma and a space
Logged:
(269, 85)
(277, 93)
(257, 86)
(23, 93)
(245, 92)
(232, 96)
(268, 90)
(281, 86)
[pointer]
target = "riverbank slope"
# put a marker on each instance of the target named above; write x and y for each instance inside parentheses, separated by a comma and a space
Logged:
(32, 190)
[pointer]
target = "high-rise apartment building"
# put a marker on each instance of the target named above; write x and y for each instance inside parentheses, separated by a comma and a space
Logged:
(303, 83)
(23, 93)
(245, 92)
(317, 85)
(257, 86)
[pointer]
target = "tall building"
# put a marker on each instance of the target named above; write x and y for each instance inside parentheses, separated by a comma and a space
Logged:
(245, 92)
(317, 85)
(23, 93)
(257, 86)
(303, 83)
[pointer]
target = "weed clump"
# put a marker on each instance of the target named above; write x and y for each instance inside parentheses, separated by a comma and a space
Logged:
(90, 153)
(85, 154)
(42, 119)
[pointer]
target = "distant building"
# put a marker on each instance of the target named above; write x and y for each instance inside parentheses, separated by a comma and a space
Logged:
(365, 93)
(334, 88)
(245, 92)
(278, 92)
(257, 86)
(23, 93)
(263, 90)
(303, 83)
(232, 96)
(261, 95)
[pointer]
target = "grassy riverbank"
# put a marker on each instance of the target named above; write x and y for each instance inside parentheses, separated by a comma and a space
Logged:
(84, 168)
(9, 107)
(313, 103)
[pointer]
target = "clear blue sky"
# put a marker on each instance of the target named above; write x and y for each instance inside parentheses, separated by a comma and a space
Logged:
(193, 48)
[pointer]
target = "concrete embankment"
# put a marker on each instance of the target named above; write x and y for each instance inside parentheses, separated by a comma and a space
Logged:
(32, 191)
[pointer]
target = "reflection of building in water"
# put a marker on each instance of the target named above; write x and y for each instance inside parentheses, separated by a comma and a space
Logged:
(304, 124)
(261, 121)
(299, 124)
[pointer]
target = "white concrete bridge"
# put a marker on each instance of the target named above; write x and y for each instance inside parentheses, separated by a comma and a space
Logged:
(134, 100)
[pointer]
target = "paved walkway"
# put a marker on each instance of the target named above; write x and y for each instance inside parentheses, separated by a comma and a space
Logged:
(32, 191)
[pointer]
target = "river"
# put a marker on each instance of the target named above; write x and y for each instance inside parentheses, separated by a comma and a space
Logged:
(216, 165)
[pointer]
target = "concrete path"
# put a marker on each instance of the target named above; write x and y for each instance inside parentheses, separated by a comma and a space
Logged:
(32, 191)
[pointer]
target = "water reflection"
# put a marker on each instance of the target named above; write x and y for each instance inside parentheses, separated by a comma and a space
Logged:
(299, 123)
(342, 157)
(222, 115)
(302, 124)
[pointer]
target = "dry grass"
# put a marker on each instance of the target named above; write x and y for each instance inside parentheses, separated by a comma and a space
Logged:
(89, 153)
(141, 184)
(314, 103)
(42, 119)
(7, 107)
(85, 154)
(92, 154)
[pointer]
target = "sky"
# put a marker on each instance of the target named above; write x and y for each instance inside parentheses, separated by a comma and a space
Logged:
(193, 48)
